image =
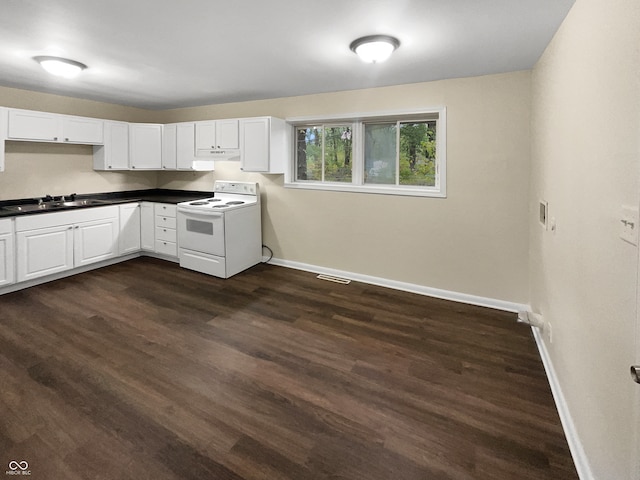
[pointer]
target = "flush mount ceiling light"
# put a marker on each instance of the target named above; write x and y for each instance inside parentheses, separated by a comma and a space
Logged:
(61, 67)
(374, 48)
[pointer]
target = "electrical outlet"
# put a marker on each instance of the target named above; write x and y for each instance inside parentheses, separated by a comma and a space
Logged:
(549, 333)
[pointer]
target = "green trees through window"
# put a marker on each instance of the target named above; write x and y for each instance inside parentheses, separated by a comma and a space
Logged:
(325, 153)
(373, 154)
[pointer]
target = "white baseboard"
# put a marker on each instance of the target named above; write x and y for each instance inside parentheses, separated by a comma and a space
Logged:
(407, 287)
(575, 445)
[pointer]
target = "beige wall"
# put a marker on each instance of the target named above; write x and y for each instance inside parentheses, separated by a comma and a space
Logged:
(474, 242)
(37, 169)
(585, 151)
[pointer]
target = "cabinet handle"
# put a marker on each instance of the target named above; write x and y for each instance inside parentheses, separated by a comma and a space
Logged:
(66, 139)
(69, 228)
(55, 138)
(133, 166)
(109, 166)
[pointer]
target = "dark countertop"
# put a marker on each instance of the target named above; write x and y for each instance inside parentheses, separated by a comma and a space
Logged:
(159, 195)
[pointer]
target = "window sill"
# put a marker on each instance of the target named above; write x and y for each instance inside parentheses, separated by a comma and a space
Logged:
(376, 189)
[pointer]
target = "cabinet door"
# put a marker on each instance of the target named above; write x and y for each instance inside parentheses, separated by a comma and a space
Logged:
(169, 145)
(95, 241)
(3, 134)
(145, 146)
(30, 125)
(147, 226)
(227, 134)
(129, 238)
(185, 146)
(205, 135)
(254, 135)
(88, 131)
(114, 154)
(44, 251)
(6, 259)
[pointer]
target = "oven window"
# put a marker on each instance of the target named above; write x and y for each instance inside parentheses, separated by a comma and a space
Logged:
(198, 226)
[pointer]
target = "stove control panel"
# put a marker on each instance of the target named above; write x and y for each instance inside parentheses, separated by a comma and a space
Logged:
(240, 188)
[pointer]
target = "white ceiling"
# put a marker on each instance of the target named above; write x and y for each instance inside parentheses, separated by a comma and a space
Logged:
(160, 54)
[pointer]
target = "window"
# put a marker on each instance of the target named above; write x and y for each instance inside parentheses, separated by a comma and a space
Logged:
(401, 154)
(324, 153)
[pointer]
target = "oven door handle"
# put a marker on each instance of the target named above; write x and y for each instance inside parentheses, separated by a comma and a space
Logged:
(199, 213)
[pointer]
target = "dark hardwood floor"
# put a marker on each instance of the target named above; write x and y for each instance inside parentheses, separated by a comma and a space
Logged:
(143, 370)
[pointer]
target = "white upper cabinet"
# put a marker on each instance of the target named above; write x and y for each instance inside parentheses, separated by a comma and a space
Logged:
(37, 126)
(179, 148)
(265, 144)
(51, 127)
(114, 154)
(185, 146)
(145, 146)
(3, 135)
(88, 131)
(169, 147)
(227, 135)
(216, 135)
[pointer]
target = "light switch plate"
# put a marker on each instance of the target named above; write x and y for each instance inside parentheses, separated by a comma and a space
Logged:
(629, 224)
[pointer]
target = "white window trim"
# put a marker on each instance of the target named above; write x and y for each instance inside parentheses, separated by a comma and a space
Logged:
(439, 191)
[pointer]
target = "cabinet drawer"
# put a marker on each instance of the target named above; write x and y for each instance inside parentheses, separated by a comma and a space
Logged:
(166, 210)
(168, 234)
(167, 248)
(165, 222)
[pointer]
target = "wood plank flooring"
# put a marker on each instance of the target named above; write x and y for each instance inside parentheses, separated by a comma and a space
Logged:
(143, 370)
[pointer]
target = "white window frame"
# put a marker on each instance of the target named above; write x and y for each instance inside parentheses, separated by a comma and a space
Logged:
(357, 184)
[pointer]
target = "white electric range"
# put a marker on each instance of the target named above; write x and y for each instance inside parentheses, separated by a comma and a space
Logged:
(221, 235)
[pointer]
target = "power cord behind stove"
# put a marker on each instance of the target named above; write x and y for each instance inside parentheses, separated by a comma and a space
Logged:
(270, 254)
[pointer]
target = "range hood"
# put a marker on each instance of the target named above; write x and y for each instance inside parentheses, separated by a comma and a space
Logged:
(219, 153)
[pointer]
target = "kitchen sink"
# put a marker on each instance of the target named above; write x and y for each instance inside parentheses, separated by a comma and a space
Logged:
(83, 203)
(55, 205)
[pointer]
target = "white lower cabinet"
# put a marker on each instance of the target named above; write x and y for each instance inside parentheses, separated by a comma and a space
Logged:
(130, 234)
(7, 276)
(158, 228)
(147, 227)
(165, 232)
(44, 251)
(55, 242)
(95, 241)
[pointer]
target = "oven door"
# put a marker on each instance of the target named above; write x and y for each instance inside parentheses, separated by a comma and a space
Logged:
(201, 231)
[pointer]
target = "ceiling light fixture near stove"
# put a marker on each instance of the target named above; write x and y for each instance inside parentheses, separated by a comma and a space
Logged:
(61, 67)
(374, 48)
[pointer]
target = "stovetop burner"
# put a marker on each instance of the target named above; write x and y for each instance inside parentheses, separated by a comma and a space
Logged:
(211, 200)
(235, 202)
(198, 203)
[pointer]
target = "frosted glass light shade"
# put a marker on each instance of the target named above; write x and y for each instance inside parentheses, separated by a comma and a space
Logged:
(61, 67)
(374, 48)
